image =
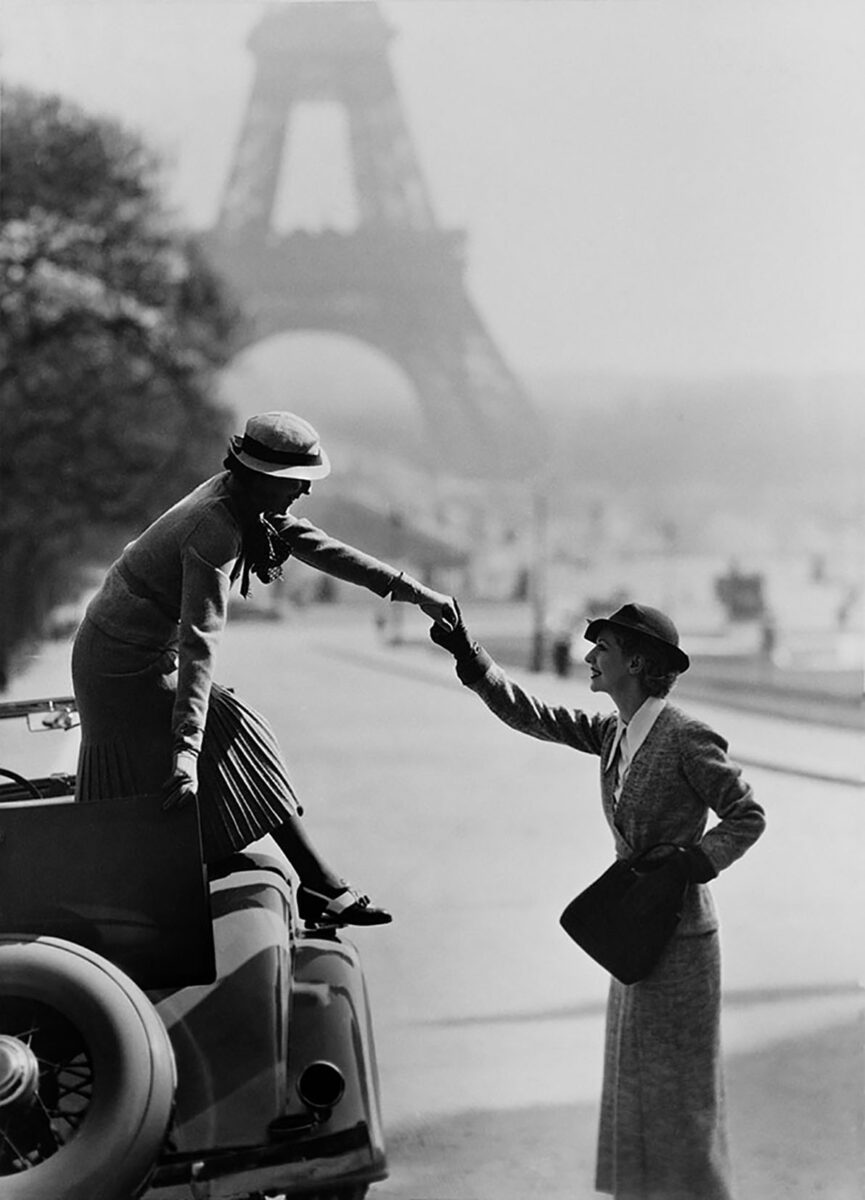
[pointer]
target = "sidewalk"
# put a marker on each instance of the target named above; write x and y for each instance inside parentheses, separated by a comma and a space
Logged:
(822, 696)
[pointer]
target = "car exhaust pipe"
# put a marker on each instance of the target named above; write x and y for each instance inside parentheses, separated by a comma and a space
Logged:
(321, 1086)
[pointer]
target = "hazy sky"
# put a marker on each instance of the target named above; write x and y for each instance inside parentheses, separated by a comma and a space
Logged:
(648, 185)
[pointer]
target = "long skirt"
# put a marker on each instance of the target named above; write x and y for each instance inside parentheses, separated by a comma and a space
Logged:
(663, 1131)
(125, 696)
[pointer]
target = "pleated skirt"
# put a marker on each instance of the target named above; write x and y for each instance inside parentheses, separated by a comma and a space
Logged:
(663, 1129)
(125, 695)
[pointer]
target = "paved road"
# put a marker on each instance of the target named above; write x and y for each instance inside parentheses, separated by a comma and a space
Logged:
(488, 1021)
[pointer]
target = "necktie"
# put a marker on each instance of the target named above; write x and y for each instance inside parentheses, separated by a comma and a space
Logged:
(622, 762)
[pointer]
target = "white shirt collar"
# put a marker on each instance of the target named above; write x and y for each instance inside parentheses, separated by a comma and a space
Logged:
(638, 728)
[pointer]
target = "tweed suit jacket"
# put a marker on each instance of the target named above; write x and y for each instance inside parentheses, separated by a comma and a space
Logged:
(679, 774)
(169, 589)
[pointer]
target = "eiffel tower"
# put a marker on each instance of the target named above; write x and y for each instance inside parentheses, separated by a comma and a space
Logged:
(396, 281)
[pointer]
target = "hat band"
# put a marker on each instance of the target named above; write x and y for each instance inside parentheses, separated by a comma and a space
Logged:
(286, 458)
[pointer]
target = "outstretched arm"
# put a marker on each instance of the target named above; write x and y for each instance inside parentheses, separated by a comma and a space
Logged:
(318, 549)
(510, 703)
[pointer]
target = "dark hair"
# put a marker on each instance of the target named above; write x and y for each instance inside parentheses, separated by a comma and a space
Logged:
(242, 474)
(657, 676)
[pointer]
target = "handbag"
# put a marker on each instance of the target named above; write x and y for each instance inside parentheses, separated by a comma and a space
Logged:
(627, 916)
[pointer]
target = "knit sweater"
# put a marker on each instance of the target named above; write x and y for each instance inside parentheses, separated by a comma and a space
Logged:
(169, 589)
(680, 773)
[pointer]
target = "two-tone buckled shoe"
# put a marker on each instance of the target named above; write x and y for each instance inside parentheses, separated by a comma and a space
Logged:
(346, 907)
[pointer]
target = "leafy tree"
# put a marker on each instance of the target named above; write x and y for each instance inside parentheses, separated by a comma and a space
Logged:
(112, 329)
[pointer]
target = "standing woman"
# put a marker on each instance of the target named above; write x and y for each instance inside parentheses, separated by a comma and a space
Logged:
(152, 719)
(662, 1128)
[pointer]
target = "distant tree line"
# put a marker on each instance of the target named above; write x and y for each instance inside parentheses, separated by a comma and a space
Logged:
(112, 327)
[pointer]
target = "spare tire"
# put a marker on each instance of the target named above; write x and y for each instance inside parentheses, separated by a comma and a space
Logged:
(87, 1075)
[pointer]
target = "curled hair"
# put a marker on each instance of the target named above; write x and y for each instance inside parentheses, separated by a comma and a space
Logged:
(656, 676)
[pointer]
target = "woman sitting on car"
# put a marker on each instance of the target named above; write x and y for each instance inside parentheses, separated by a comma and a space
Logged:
(142, 664)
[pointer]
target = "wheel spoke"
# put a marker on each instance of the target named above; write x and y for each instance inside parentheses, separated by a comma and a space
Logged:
(51, 1119)
(87, 1074)
(65, 1088)
(21, 1160)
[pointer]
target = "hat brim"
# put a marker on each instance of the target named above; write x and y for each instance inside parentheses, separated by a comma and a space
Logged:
(679, 660)
(274, 470)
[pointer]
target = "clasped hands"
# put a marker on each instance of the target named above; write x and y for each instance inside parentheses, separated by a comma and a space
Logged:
(442, 609)
(455, 638)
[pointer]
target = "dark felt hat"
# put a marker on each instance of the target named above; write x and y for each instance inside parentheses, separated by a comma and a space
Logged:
(651, 623)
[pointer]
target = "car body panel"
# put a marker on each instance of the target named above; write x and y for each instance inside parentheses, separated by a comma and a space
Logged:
(121, 877)
(231, 1072)
(233, 1090)
(282, 998)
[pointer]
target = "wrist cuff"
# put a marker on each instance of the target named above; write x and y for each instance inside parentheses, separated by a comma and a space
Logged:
(472, 667)
(405, 589)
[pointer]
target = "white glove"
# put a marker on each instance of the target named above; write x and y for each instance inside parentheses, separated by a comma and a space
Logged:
(437, 605)
(181, 786)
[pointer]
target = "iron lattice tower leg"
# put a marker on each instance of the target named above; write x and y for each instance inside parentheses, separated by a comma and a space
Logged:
(397, 280)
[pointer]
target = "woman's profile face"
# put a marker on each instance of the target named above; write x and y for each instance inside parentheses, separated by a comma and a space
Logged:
(275, 494)
(609, 669)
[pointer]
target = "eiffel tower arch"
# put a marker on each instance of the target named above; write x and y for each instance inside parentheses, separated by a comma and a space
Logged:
(396, 281)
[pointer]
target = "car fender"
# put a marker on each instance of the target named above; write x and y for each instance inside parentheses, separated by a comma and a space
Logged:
(331, 1022)
(230, 1037)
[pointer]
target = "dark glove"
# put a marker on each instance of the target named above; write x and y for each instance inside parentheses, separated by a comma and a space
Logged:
(472, 661)
(456, 640)
(692, 865)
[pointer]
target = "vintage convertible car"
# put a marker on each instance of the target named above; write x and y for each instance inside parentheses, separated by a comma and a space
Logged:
(164, 1033)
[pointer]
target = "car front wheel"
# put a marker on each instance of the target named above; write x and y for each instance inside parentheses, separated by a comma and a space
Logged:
(87, 1076)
